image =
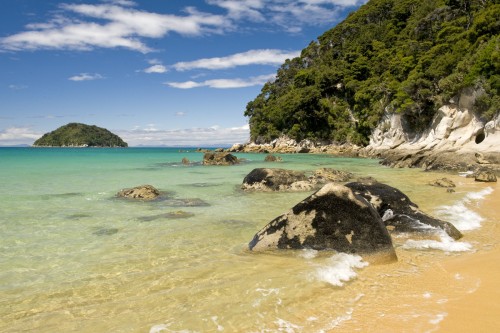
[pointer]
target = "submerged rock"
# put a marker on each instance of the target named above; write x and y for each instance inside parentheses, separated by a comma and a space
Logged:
(219, 158)
(180, 214)
(105, 231)
(265, 179)
(143, 192)
(190, 202)
(398, 211)
(333, 218)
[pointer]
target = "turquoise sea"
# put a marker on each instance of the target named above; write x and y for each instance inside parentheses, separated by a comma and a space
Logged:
(74, 258)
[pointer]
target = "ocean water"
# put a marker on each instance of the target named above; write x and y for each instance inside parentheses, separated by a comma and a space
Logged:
(74, 258)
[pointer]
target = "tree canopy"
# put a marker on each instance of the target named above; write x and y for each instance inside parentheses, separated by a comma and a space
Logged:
(406, 56)
(78, 135)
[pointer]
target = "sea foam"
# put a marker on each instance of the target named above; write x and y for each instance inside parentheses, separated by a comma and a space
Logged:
(340, 269)
(446, 243)
(462, 217)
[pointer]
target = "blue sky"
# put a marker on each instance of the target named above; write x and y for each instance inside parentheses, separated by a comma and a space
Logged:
(155, 72)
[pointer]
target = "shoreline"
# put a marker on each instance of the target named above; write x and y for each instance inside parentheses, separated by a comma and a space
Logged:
(427, 159)
(477, 310)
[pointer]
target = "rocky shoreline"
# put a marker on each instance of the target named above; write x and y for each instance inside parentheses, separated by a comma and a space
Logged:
(456, 140)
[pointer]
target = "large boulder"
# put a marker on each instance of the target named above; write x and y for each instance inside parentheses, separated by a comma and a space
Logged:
(398, 211)
(143, 192)
(219, 158)
(332, 218)
(266, 179)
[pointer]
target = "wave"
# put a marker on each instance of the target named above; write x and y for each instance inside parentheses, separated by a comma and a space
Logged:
(446, 243)
(462, 217)
(340, 269)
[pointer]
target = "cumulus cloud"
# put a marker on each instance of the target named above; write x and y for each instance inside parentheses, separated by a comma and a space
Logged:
(156, 67)
(121, 24)
(223, 83)
(86, 77)
(214, 135)
(18, 136)
(252, 57)
(115, 24)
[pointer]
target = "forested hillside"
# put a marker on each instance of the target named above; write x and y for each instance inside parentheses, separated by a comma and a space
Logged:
(80, 135)
(407, 56)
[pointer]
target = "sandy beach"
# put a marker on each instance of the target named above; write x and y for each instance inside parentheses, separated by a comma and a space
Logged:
(479, 310)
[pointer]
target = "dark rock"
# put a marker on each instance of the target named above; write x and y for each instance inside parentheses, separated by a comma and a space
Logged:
(216, 158)
(143, 192)
(443, 182)
(485, 176)
(398, 211)
(332, 218)
(326, 175)
(450, 190)
(185, 161)
(272, 158)
(265, 179)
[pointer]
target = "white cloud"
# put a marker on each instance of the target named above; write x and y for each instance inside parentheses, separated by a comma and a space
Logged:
(180, 114)
(290, 15)
(120, 24)
(86, 77)
(18, 136)
(237, 9)
(81, 27)
(223, 83)
(252, 57)
(214, 135)
(156, 69)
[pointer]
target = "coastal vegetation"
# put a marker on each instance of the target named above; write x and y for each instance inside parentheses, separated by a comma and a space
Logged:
(404, 56)
(80, 135)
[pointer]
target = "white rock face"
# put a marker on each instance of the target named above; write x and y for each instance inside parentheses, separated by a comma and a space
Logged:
(454, 128)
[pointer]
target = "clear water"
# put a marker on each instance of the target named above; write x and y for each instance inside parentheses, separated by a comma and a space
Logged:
(73, 257)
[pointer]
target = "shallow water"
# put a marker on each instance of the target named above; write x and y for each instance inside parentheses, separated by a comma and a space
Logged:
(75, 258)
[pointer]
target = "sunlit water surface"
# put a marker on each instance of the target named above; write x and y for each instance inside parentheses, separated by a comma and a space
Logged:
(73, 257)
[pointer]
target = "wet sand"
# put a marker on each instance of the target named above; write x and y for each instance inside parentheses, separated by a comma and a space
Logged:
(478, 311)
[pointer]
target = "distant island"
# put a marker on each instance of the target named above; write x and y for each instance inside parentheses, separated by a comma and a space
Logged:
(80, 135)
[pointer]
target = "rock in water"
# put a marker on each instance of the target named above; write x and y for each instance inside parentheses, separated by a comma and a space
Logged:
(326, 175)
(272, 158)
(443, 182)
(485, 176)
(265, 179)
(143, 192)
(218, 158)
(404, 215)
(332, 218)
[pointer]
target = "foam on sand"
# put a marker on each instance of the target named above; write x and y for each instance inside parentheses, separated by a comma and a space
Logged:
(446, 243)
(462, 217)
(340, 269)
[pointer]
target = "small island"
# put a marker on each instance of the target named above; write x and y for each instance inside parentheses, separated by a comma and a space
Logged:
(80, 135)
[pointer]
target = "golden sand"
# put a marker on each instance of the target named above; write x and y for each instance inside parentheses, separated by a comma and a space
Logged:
(478, 311)
(457, 293)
